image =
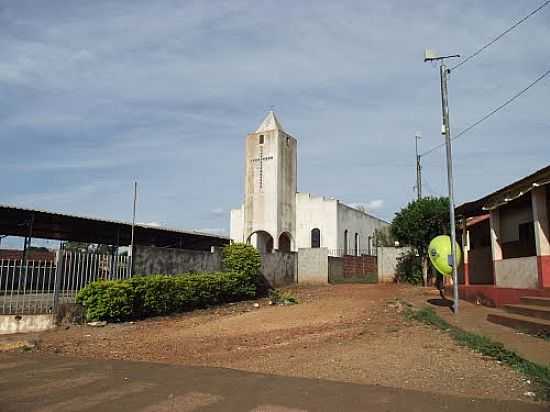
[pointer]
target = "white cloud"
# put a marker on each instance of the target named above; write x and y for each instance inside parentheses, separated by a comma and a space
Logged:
(152, 224)
(218, 211)
(369, 205)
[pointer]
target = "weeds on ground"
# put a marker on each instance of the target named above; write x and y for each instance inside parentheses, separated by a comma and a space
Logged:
(540, 374)
(282, 297)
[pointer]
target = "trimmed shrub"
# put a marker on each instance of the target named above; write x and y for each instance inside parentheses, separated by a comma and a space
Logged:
(107, 300)
(156, 295)
(242, 258)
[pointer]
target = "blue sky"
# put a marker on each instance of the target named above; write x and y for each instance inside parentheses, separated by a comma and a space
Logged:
(97, 94)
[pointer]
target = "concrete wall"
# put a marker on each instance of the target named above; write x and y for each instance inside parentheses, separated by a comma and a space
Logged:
(355, 221)
(279, 268)
(387, 262)
(517, 273)
(316, 212)
(155, 260)
(25, 323)
(313, 266)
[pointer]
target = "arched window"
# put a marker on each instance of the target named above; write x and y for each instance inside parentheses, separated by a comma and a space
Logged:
(357, 244)
(284, 243)
(345, 242)
(315, 238)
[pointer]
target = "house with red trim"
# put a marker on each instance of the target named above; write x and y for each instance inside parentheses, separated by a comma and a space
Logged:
(506, 243)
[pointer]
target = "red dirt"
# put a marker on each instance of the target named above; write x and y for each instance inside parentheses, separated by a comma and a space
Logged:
(352, 333)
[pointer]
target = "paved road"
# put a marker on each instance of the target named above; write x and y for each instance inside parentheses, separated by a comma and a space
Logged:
(35, 382)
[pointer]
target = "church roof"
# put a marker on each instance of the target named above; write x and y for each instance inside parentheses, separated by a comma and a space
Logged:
(270, 123)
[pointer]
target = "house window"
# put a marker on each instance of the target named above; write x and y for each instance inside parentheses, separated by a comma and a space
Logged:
(315, 238)
(261, 139)
(357, 244)
(345, 242)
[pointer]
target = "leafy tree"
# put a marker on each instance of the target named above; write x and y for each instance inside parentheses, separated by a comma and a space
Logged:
(384, 237)
(418, 223)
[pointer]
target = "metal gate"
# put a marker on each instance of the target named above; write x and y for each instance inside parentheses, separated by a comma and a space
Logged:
(38, 286)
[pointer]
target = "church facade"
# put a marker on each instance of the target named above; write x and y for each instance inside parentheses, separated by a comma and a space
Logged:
(275, 216)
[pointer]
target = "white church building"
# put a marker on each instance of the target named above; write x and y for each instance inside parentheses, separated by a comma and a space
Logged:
(275, 216)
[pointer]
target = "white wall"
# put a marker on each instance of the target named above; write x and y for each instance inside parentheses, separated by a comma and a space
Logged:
(236, 225)
(316, 212)
(356, 221)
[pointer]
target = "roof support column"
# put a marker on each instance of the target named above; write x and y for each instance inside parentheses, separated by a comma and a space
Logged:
(496, 249)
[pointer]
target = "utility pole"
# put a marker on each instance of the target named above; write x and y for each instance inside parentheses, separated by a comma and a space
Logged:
(418, 169)
(446, 130)
(131, 252)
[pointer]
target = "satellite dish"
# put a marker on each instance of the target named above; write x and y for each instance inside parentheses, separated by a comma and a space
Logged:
(440, 254)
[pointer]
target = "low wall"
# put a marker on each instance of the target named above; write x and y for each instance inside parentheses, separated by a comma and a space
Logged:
(168, 261)
(387, 261)
(353, 269)
(280, 268)
(519, 273)
(313, 266)
(25, 323)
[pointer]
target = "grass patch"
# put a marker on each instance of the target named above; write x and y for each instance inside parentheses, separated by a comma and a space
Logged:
(487, 347)
(282, 297)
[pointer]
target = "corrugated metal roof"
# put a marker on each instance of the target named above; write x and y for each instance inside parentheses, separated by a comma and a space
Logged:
(111, 221)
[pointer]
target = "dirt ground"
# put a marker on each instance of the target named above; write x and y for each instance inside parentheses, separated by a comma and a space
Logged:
(351, 333)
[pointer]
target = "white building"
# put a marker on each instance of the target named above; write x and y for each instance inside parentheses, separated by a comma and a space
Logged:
(275, 216)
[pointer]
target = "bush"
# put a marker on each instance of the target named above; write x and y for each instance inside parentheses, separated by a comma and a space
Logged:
(107, 300)
(155, 295)
(242, 258)
(409, 268)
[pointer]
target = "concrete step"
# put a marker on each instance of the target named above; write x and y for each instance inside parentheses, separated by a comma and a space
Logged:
(540, 312)
(535, 300)
(522, 323)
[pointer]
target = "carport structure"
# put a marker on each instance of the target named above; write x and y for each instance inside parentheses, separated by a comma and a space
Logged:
(30, 286)
(34, 223)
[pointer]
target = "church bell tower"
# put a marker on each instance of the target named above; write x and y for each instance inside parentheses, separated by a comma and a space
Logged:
(269, 210)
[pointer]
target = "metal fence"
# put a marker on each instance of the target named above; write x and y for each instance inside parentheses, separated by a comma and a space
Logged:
(352, 252)
(37, 286)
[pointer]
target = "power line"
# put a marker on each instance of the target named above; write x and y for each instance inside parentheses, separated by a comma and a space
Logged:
(492, 112)
(501, 35)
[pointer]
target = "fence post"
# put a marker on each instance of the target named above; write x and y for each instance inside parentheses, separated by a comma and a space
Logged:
(57, 279)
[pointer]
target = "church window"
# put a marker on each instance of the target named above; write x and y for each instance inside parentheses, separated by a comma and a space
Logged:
(357, 244)
(345, 242)
(287, 140)
(315, 238)
(261, 139)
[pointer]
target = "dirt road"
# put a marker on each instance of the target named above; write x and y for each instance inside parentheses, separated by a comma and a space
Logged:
(38, 382)
(349, 333)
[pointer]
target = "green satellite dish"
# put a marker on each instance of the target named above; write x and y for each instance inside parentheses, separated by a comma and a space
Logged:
(441, 255)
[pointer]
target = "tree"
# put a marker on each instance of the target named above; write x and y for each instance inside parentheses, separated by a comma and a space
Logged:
(418, 223)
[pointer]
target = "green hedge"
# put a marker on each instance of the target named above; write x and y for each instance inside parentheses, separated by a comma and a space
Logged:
(155, 295)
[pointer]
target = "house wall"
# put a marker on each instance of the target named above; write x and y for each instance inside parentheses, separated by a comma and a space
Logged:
(511, 216)
(316, 212)
(355, 221)
(517, 273)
